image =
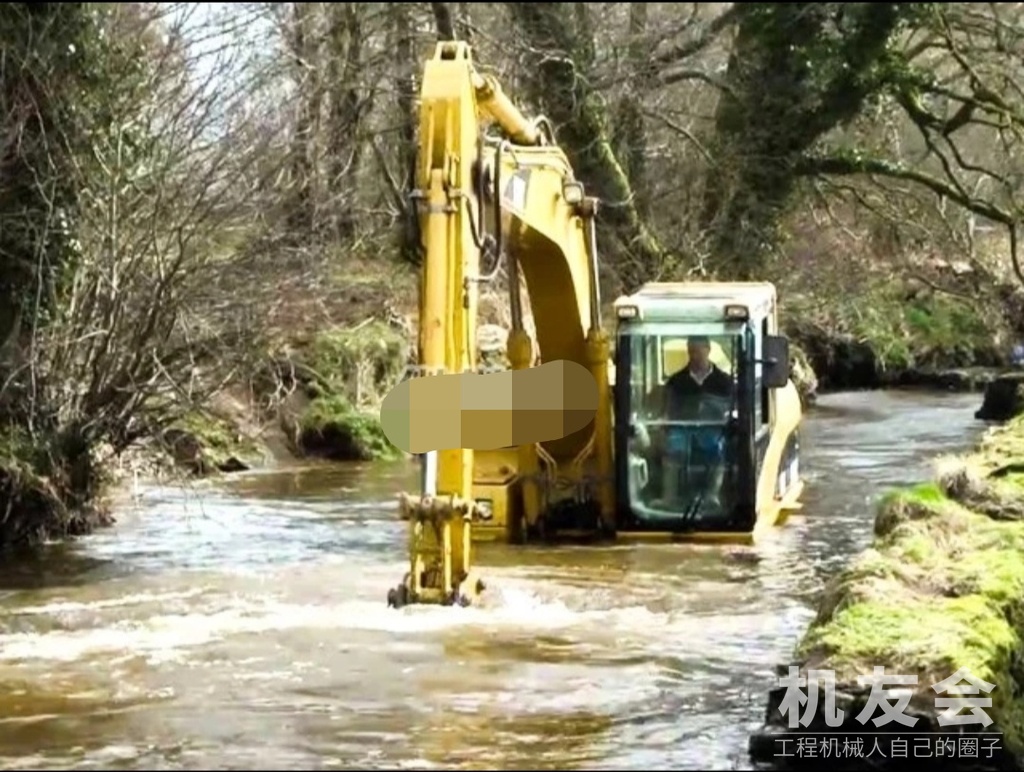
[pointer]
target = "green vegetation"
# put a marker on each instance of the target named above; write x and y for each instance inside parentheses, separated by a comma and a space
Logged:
(941, 587)
(345, 373)
(330, 427)
(872, 337)
(204, 443)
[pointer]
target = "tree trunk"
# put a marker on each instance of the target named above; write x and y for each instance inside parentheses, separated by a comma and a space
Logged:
(345, 43)
(405, 90)
(630, 131)
(443, 21)
(797, 71)
(583, 131)
(302, 212)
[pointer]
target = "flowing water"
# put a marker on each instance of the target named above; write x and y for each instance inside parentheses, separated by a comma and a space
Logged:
(246, 627)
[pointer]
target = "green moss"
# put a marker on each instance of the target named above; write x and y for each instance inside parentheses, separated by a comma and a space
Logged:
(362, 363)
(993, 573)
(940, 589)
(205, 442)
(1004, 447)
(904, 505)
(330, 427)
(351, 370)
(923, 634)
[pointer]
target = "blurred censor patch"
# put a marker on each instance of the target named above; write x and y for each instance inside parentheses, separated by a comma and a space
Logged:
(485, 412)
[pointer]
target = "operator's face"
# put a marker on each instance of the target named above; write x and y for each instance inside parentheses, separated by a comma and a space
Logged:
(699, 355)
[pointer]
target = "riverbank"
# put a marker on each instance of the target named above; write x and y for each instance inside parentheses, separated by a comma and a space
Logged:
(318, 394)
(898, 334)
(335, 355)
(939, 590)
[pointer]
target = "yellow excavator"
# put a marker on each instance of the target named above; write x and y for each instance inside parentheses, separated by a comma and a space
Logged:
(493, 189)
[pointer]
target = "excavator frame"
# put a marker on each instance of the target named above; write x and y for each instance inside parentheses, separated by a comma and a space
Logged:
(509, 197)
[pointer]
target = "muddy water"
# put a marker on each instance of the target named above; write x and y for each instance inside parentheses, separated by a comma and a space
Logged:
(246, 629)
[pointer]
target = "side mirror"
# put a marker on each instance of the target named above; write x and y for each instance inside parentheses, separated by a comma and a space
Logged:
(775, 361)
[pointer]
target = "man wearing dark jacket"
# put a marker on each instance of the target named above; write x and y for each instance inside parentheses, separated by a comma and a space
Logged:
(686, 393)
(701, 376)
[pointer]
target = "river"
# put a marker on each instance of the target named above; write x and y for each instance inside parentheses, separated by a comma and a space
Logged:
(245, 627)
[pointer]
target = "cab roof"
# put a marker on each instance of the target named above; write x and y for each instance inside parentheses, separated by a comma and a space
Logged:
(702, 299)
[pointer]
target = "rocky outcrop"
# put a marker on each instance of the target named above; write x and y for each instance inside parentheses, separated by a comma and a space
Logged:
(803, 375)
(206, 442)
(1004, 397)
(332, 386)
(937, 594)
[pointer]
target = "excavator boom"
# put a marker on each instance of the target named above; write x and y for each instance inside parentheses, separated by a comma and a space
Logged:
(510, 193)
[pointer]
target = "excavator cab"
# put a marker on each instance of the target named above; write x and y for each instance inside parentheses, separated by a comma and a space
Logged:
(690, 451)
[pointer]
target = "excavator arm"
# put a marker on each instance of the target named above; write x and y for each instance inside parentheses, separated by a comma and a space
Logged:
(492, 182)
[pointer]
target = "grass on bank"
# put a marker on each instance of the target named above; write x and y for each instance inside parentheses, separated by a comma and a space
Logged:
(943, 585)
(900, 327)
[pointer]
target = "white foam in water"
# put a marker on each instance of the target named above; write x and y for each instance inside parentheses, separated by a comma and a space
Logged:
(163, 636)
(64, 607)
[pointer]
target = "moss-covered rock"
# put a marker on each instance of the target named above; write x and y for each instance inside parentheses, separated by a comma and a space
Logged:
(940, 589)
(1004, 398)
(331, 428)
(342, 375)
(204, 443)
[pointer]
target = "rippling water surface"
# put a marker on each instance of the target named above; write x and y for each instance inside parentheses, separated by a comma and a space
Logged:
(246, 628)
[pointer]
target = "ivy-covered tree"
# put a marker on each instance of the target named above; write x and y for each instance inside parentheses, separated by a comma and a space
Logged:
(45, 71)
(117, 180)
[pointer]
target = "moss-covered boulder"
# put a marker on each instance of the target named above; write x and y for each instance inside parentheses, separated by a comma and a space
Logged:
(331, 428)
(941, 589)
(204, 443)
(342, 375)
(1004, 398)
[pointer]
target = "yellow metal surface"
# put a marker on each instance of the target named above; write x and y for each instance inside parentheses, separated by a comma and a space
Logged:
(440, 551)
(545, 235)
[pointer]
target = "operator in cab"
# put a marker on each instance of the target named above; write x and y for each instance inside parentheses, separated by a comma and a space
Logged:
(701, 376)
(701, 391)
